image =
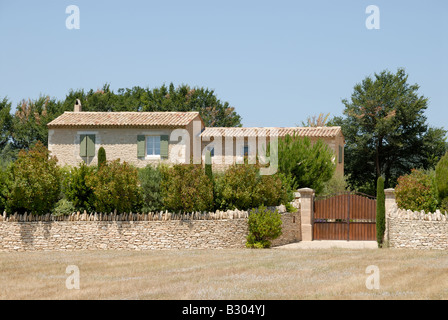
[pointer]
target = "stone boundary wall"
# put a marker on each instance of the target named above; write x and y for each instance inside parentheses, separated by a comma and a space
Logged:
(418, 230)
(155, 231)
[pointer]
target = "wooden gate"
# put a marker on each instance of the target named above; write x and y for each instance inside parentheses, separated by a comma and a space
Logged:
(347, 216)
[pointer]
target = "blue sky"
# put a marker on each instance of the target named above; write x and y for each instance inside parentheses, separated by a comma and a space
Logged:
(276, 62)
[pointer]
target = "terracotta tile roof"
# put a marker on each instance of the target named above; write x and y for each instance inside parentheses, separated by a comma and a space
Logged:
(127, 119)
(321, 132)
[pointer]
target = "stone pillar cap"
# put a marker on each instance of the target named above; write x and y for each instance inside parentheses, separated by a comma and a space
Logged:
(305, 190)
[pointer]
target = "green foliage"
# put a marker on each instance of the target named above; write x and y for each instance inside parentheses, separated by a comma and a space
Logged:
(264, 226)
(290, 208)
(444, 205)
(213, 111)
(271, 191)
(442, 177)
(416, 191)
(3, 188)
(34, 182)
(186, 188)
(385, 130)
(115, 187)
(337, 184)
(150, 188)
(289, 184)
(237, 187)
(242, 187)
(101, 157)
(208, 165)
(75, 187)
(309, 163)
(380, 211)
(64, 207)
(30, 120)
(5, 122)
(8, 155)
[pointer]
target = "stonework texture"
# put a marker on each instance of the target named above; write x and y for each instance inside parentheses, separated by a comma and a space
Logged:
(418, 230)
(92, 232)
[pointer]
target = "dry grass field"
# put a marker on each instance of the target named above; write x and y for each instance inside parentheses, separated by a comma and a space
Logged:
(226, 274)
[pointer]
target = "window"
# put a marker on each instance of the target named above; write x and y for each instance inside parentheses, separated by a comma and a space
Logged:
(246, 150)
(153, 146)
(87, 145)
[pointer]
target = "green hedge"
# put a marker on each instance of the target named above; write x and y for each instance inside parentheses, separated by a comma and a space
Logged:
(33, 182)
(186, 187)
(75, 187)
(150, 179)
(115, 187)
(242, 187)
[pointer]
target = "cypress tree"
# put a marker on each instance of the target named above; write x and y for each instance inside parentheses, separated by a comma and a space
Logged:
(442, 177)
(101, 157)
(208, 165)
(380, 211)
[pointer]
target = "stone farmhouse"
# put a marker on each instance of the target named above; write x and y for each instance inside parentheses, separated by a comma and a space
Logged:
(143, 138)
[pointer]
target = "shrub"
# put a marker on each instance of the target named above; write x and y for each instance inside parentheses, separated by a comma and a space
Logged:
(34, 182)
(380, 211)
(238, 188)
(264, 226)
(150, 180)
(290, 208)
(64, 207)
(101, 157)
(271, 191)
(337, 184)
(444, 205)
(311, 164)
(185, 187)
(75, 187)
(242, 187)
(416, 191)
(115, 187)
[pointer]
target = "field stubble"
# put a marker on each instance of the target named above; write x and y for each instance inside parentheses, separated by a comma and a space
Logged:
(226, 274)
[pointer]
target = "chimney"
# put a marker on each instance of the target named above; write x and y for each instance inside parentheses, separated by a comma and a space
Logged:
(78, 107)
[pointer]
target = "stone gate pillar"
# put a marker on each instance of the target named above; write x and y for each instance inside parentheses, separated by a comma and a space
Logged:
(306, 213)
(389, 202)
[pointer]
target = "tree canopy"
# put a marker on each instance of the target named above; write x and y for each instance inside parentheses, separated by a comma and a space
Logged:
(386, 133)
(213, 111)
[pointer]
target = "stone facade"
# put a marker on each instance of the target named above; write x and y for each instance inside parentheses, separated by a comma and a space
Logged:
(119, 143)
(134, 232)
(232, 150)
